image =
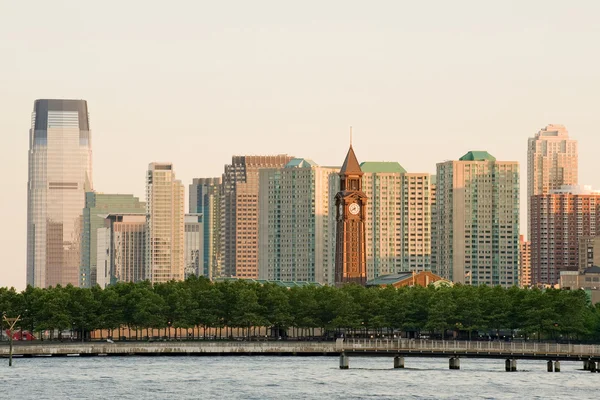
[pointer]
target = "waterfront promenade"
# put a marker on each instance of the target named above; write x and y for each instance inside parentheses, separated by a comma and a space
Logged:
(552, 353)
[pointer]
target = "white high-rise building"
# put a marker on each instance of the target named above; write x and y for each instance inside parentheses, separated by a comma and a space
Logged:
(165, 258)
(398, 223)
(382, 183)
(418, 198)
(60, 172)
(296, 238)
(477, 220)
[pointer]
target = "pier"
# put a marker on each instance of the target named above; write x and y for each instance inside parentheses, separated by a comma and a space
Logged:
(397, 350)
(454, 350)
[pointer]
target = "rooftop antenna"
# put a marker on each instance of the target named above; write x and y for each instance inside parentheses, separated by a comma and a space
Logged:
(350, 136)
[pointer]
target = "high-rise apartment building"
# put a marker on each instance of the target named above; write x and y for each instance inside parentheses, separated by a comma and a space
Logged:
(382, 183)
(558, 220)
(398, 222)
(205, 199)
(165, 257)
(60, 172)
(524, 262)
(552, 161)
(241, 213)
(295, 236)
(418, 197)
(194, 249)
(477, 220)
(97, 206)
(121, 244)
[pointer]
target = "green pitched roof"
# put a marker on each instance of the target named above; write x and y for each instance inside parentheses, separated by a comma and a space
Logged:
(373, 166)
(389, 279)
(478, 156)
(300, 163)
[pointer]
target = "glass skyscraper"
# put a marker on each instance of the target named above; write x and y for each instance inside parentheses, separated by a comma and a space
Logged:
(205, 199)
(60, 172)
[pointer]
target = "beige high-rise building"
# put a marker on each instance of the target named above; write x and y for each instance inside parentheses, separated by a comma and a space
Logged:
(165, 258)
(477, 220)
(552, 162)
(382, 183)
(524, 262)
(296, 241)
(240, 213)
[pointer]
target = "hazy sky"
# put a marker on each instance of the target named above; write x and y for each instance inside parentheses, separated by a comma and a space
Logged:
(194, 82)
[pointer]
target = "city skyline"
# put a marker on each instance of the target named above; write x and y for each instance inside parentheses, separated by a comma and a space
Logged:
(418, 87)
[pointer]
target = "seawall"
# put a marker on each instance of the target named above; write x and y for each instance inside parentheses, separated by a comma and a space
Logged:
(171, 348)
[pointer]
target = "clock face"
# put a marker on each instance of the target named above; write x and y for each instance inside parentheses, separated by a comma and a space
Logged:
(354, 208)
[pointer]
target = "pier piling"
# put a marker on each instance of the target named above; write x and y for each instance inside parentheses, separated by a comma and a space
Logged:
(398, 362)
(344, 361)
(454, 363)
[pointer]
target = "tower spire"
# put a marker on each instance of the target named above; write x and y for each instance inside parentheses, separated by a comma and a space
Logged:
(350, 136)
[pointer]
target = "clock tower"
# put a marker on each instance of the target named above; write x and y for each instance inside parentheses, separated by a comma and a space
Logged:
(351, 203)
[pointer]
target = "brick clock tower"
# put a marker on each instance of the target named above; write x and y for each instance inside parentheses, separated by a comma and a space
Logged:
(351, 203)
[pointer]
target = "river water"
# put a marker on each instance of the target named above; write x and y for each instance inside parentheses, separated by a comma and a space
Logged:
(289, 378)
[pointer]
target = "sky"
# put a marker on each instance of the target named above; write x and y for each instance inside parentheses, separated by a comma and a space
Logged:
(195, 82)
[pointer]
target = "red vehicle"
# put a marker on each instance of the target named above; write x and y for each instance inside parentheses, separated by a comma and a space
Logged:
(20, 335)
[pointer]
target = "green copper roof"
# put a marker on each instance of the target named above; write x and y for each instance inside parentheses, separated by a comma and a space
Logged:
(300, 163)
(389, 279)
(478, 156)
(389, 167)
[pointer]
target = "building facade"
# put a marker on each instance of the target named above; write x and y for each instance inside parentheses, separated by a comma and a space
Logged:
(587, 280)
(295, 236)
(165, 258)
(240, 213)
(205, 199)
(418, 199)
(382, 184)
(477, 220)
(194, 249)
(351, 206)
(524, 262)
(121, 244)
(552, 161)
(558, 221)
(97, 206)
(60, 172)
(589, 252)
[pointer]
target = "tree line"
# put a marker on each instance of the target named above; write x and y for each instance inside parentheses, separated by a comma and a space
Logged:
(462, 310)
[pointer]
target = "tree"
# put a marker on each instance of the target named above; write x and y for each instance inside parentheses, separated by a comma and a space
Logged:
(442, 310)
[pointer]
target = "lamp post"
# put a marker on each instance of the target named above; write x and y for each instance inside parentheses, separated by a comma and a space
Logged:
(11, 324)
